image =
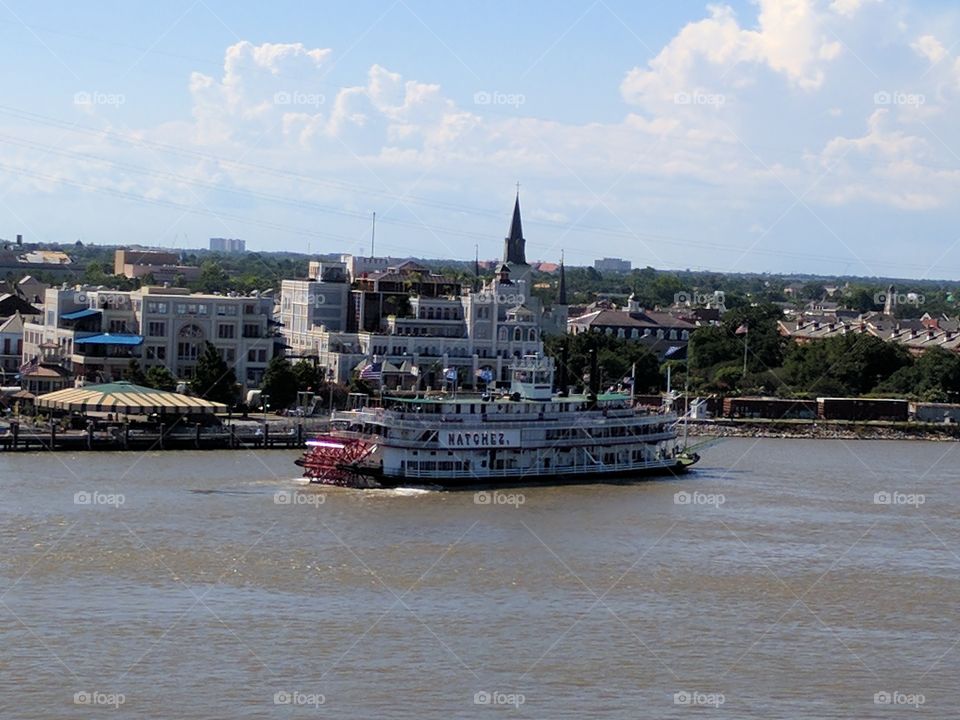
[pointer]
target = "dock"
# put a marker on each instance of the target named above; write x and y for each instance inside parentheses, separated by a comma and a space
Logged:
(268, 435)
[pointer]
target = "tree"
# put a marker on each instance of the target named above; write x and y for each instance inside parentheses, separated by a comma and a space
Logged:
(135, 373)
(160, 378)
(213, 379)
(280, 383)
(615, 357)
(309, 376)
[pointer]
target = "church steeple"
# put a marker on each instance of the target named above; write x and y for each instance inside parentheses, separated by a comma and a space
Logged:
(514, 244)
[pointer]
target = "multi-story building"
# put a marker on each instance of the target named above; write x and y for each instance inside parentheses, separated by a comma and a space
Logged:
(410, 317)
(11, 347)
(614, 265)
(228, 244)
(662, 333)
(94, 333)
(164, 266)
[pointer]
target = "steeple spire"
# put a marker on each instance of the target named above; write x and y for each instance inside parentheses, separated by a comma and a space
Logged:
(514, 244)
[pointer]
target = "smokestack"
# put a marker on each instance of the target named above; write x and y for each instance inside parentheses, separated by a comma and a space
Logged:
(563, 384)
(594, 375)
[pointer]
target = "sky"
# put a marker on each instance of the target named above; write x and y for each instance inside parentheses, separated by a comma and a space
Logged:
(788, 136)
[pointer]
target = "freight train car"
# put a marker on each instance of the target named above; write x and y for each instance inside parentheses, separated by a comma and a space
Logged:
(863, 409)
(769, 408)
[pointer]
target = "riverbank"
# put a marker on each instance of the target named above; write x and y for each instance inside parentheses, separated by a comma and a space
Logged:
(824, 430)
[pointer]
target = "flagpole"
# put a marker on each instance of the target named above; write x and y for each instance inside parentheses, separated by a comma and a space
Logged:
(746, 342)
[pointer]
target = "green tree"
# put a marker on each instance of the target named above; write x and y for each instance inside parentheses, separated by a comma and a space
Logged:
(160, 378)
(309, 376)
(849, 364)
(135, 372)
(934, 377)
(214, 379)
(280, 383)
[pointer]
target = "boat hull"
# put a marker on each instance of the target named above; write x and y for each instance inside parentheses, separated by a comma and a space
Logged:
(372, 477)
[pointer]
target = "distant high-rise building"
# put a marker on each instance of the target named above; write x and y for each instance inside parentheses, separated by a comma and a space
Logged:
(228, 244)
(615, 265)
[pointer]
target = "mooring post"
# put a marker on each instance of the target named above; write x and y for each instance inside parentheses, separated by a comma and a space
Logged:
(126, 435)
(266, 435)
(15, 429)
(300, 433)
(198, 435)
(89, 434)
(53, 436)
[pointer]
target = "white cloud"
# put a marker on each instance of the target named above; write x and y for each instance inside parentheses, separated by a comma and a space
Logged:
(790, 38)
(930, 48)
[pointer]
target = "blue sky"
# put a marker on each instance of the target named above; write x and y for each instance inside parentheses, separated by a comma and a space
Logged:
(778, 135)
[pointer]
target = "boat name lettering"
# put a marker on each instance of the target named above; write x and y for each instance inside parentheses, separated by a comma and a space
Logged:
(479, 439)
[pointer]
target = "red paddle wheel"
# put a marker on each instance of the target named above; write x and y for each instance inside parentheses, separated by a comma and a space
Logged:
(333, 461)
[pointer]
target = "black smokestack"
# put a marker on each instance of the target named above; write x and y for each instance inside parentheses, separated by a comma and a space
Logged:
(594, 375)
(563, 384)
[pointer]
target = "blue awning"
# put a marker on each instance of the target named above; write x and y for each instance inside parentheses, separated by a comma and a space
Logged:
(110, 339)
(78, 314)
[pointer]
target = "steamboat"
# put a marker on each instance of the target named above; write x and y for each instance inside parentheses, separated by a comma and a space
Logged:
(528, 435)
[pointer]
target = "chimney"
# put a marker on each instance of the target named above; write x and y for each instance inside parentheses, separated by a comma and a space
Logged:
(19, 239)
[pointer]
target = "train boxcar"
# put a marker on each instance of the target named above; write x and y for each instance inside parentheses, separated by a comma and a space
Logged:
(863, 409)
(769, 408)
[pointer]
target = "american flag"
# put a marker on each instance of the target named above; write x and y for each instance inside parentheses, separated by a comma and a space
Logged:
(29, 364)
(373, 371)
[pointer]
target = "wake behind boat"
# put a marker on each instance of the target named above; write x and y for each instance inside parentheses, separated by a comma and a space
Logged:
(527, 436)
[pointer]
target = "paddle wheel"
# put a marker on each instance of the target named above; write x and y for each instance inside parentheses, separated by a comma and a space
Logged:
(336, 461)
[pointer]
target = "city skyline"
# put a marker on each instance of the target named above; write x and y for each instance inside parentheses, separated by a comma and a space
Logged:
(777, 136)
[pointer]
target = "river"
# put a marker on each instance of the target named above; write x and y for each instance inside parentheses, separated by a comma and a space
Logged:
(782, 578)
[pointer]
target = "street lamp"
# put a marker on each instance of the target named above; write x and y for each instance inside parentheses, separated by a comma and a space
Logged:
(265, 404)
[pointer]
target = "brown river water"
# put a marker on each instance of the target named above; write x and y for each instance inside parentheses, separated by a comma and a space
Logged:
(781, 579)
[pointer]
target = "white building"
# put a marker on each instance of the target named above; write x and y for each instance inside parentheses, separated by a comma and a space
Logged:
(95, 332)
(228, 244)
(410, 317)
(614, 265)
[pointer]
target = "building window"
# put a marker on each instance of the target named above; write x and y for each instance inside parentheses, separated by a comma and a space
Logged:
(156, 329)
(226, 332)
(251, 331)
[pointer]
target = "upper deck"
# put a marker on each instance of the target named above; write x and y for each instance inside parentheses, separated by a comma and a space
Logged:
(412, 413)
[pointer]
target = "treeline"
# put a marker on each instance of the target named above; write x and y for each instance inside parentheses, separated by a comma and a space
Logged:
(845, 365)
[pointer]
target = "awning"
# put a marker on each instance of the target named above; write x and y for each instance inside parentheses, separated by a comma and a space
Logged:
(127, 398)
(110, 339)
(79, 314)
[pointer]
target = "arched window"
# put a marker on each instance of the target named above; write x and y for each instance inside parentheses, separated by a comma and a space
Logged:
(190, 341)
(532, 335)
(502, 334)
(517, 336)
(685, 335)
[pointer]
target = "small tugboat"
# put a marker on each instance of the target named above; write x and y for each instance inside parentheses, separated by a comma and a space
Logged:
(526, 436)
